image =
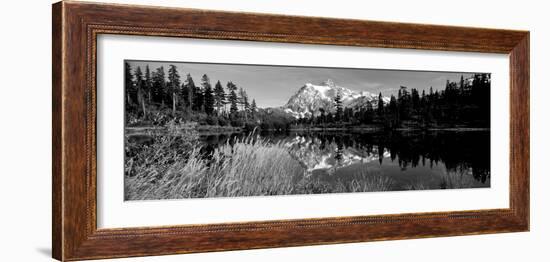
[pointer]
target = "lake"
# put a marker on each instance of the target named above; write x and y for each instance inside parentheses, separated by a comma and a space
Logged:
(413, 160)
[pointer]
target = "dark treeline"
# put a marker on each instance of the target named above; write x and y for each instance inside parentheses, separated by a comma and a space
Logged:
(462, 104)
(156, 96)
(456, 150)
(159, 96)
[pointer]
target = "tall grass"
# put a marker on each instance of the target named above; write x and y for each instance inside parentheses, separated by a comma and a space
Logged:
(172, 167)
(449, 179)
(367, 183)
(460, 178)
(245, 167)
(252, 167)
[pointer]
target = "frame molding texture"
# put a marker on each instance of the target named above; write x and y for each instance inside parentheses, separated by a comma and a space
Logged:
(75, 27)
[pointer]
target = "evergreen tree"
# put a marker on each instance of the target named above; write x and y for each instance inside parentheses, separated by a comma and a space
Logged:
(243, 98)
(322, 116)
(219, 96)
(188, 92)
(138, 76)
(209, 100)
(173, 86)
(232, 98)
(148, 83)
(128, 85)
(423, 101)
(159, 85)
(198, 99)
(141, 92)
(393, 110)
(185, 94)
(253, 108)
(426, 116)
(461, 86)
(404, 104)
(368, 113)
(415, 100)
(380, 107)
(338, 104)
(481, 96)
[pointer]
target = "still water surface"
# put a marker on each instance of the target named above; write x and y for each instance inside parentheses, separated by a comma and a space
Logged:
(412, 159)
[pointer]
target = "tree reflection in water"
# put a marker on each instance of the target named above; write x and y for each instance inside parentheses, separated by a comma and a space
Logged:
(401, 154)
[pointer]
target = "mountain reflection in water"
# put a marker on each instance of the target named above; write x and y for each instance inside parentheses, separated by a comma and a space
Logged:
(412, 159)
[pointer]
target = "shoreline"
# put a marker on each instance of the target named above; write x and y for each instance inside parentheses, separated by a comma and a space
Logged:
(140, 130)
(229, 129)
(461, 129)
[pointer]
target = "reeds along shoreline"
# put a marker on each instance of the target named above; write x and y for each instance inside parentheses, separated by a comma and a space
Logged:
(173, 168)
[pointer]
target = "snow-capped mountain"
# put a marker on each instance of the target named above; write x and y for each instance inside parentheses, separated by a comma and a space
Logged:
(329, 157)
(310, 98)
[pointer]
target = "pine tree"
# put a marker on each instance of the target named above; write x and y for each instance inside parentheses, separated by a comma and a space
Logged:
(209, 100)
(140, 87)
(148, 83)
(159, 85)
(188, 92)
(243, 98)
(322, 116)
(368, 113)
(138, 75)
(253, 108)
(232, 97)
(461, 83)
(185, 95)
(423, 99)
(128, 85)
(173, 86)
(393, 109)
(415, 100)
(338, 104)
(403, 103)
(380, 107)
(425, 109)
(198, 99)
(219, 96)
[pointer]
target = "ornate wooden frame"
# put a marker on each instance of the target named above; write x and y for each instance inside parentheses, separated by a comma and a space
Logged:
(76, 26)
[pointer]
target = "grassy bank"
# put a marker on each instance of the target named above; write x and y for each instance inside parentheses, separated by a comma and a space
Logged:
(172, 167)
(171, 128)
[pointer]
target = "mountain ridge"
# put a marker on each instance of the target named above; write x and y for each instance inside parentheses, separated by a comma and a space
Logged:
(311, 98)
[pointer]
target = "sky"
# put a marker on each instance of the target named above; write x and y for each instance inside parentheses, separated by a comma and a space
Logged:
(272, 86)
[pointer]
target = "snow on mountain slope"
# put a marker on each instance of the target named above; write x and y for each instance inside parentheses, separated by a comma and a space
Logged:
(329, 157)
(311, 98)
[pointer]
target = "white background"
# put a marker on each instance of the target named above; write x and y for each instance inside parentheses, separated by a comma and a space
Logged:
(25, 136)
(114, 212)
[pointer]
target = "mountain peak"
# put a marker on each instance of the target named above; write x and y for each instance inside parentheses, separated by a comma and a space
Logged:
(311, 98)
(328, 83)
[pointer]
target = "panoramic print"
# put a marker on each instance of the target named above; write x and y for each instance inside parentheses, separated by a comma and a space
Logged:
(202, 130)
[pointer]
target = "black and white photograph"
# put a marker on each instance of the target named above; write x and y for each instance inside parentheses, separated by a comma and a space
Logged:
(202, 130)
(275, 130)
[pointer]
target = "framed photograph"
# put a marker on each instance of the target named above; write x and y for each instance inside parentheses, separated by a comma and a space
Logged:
(181, 130)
